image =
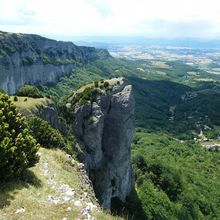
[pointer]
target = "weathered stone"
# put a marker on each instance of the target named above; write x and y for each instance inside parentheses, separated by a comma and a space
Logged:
(34, 59)
(105, 129)
(49, 113)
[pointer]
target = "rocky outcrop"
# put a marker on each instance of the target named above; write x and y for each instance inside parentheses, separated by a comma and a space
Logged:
(49, 113)
(34, 59)
(104, 128)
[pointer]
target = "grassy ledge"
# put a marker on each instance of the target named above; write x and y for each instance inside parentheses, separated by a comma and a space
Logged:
(56, 188)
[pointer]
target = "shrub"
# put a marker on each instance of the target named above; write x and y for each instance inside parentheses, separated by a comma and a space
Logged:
(140, 163)
(47, 136)
(2, 52)
(9, 48)
(88, 94)
(30, 91)
(91, 120)
(106, 84)
(109, 88)
(15, 99)
(96, 83)
(17, 147)
(27, 61)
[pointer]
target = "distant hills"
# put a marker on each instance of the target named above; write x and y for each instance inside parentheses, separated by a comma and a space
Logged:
(108, 42)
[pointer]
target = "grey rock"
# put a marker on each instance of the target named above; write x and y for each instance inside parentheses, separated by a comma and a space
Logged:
(105, 128)
(49, 113)
(29, 59)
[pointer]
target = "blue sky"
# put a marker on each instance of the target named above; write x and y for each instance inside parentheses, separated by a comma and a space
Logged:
(147, 18)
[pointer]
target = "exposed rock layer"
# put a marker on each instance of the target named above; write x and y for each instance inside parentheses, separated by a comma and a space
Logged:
(49, 113)
(105, 128)
(35, 59)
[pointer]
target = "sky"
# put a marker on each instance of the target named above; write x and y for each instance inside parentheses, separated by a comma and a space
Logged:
(147, 18)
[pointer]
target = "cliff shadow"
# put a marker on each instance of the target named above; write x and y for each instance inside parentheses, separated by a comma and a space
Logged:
(9, 189)
(131, 210)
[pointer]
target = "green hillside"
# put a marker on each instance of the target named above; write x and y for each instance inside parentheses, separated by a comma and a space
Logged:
(176, 179)
(156, 95)
(177, 110)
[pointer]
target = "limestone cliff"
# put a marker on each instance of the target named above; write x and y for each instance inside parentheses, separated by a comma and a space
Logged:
(49, 113)
(34, 59)
(103, 124)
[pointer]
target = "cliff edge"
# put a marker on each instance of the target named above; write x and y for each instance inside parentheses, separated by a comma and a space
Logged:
(30, 59)
(103, 126)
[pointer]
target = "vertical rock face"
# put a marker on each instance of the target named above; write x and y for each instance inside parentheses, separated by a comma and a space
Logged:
(105, 128)
(34, 59)
(49, 113)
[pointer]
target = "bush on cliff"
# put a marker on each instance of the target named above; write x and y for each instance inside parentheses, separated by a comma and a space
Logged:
(47, 136)
(106, 84)
(88, 94)
(29, 91)
(17, 147)
(96, 84)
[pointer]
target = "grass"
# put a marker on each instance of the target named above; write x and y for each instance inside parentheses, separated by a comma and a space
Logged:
(43, 181)
(111, 82)
(106, 216)
(30, 105)
(90, 91)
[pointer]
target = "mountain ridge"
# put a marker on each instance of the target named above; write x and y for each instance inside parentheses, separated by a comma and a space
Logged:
(34, 59)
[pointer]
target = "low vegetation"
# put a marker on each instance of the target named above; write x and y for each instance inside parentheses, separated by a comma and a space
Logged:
(29, 91)
(27, 106)
(47, 136)
(88, 94)
(50, 190)
(48, 59)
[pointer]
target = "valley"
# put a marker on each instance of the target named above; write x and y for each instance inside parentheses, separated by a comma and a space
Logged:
(174, 149)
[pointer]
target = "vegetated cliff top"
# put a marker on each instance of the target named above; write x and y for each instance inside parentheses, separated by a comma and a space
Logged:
(30, 59)
(102, 118)
(90, 91)
(27, 106)
(13, 42)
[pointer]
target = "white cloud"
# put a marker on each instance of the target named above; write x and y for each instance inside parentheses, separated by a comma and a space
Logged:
(157, 18)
